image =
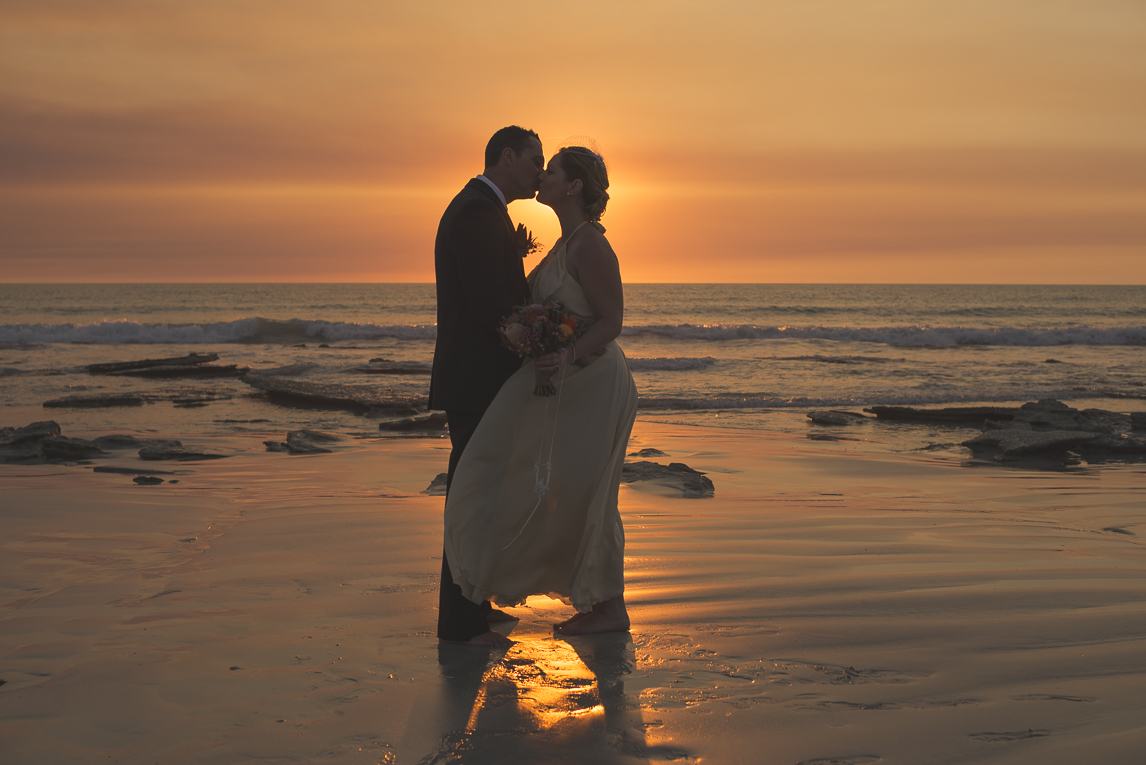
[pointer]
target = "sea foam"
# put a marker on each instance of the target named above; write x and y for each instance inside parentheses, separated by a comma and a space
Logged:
(256, 330)
(293, 331)
(903, 336)
(670, 364)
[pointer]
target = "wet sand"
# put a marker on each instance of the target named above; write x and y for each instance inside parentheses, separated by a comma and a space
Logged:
(833, 603)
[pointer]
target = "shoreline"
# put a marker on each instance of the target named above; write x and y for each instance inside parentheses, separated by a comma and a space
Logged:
(833, 600)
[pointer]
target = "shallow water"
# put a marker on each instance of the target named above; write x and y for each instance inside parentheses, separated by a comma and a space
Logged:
(746, 356)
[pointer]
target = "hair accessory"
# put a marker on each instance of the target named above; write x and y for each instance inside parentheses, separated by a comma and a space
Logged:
(583, 152)
(583, 145)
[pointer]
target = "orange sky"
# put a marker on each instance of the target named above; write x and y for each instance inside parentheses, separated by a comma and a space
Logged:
(818, 141)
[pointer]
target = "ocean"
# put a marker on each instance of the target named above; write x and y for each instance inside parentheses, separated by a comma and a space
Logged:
(755, 356)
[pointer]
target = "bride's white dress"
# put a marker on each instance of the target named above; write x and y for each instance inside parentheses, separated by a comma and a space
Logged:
(572, 548)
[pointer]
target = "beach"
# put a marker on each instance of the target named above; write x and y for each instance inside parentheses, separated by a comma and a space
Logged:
(833, 602)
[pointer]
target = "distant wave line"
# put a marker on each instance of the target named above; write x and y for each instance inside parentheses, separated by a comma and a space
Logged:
(247, 331)
(734, 402)
(903, 335)
(294, 331)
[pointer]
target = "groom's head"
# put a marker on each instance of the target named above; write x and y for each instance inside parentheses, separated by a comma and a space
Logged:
(515, 162)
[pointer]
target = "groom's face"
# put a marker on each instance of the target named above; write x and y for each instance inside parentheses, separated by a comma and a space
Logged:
(527, 169)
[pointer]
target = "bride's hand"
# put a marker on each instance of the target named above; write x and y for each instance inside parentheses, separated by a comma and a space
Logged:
(552, 362)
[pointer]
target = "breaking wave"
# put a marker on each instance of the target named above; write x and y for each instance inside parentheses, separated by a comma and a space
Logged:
(903, 336)
(294, 331)
(670, 364)
(255, 330)
(731, 402)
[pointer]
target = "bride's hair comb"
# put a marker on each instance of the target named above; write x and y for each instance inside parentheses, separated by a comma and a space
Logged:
(583, 152)
(582, 145)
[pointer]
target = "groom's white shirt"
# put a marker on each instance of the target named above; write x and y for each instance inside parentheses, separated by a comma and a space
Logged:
(496, 190)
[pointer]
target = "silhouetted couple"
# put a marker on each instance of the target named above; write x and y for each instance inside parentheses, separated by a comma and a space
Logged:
(531, 505)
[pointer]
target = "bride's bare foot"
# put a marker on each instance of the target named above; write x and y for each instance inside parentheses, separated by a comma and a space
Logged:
(494, 615)
(572, 619)
(489, 639)
(608, 616)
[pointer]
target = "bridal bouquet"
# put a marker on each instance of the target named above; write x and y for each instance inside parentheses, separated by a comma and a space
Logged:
(532, 331)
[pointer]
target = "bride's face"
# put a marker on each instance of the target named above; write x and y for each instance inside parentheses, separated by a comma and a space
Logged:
(554, 184)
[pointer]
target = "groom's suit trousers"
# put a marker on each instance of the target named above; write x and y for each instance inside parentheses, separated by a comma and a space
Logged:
(458, 617)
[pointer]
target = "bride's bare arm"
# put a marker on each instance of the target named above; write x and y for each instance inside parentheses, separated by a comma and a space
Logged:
(594, 266)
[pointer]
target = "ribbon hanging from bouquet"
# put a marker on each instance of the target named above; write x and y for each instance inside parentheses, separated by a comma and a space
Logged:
(541, 485)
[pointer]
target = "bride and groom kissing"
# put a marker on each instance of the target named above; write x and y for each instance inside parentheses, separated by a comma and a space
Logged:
(509, 533)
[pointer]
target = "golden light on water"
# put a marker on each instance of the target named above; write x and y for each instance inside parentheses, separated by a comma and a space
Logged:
(541, 683)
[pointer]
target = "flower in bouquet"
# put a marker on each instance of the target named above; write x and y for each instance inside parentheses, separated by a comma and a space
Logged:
(532, 331)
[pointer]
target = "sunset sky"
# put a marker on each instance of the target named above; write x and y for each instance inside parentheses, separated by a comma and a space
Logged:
(812, 141)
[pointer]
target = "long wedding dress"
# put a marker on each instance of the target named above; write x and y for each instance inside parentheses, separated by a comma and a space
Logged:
(507, 534)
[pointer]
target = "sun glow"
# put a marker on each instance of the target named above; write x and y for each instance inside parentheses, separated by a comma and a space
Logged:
(263, 142)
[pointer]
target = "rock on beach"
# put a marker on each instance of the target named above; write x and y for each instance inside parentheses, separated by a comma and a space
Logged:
(42, 442)
(116, 367)
(434, 422)
(306, 442)
(692, 483)
(836, 417)
(356, 398)
(1024, 442)
(437, 487)
(179, 453)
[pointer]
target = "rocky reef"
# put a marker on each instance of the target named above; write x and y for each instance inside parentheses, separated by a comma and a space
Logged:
(1037, 429)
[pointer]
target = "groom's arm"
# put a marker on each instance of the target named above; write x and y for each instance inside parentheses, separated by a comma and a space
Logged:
(479, 239)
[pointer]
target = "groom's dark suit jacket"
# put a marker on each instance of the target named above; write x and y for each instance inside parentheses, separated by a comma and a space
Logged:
(480, 279)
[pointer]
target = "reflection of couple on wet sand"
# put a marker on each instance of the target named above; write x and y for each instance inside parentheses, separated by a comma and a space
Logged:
(510, 531)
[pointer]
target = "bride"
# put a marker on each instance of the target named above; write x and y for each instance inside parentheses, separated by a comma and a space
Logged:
(532, 509)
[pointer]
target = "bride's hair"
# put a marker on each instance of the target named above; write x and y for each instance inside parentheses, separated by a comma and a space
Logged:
(587, 166)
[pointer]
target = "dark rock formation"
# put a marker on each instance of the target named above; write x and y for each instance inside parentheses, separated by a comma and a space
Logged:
(177, 453)
(648, 452)
(1138, 420)
(191, 400)
(97, 400)
(122, 441)
(1049, 414)
(953, 415)
(356, 398)
(147, 480)
(836, 417)
(692, 483)
(1024, 442)
(64, 449)
(113, 367)
(1050, 428)
(311, 441)
(29, 433)
(437, 487)
(434, 422)
(41, 442)
(305, 442)
(129, 471)
(387, 367)
(1116, 444)
(188, 370)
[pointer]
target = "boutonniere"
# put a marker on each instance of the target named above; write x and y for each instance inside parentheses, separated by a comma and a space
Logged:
(524, 242)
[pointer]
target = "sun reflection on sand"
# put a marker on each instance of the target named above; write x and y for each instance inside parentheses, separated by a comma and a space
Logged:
(547, 681)
(544, 698)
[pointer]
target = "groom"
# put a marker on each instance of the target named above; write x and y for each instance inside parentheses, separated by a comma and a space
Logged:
(480, 279)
